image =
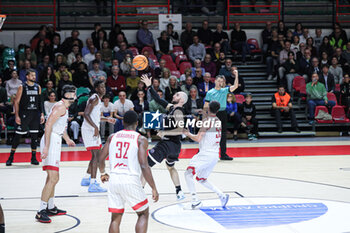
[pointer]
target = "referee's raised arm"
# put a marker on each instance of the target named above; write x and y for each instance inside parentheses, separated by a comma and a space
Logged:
(236, 83)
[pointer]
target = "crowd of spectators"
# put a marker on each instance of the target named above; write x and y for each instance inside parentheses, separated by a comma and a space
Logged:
(108, 56)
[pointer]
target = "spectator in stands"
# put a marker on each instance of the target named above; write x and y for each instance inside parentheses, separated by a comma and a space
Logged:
(318, 39)
(132, 81)
(248, 111)
(154, 106)
(149, 70)
(144, 36)
(48, 104)
(27, 55)
(41, 37)
(326, 47)
(205, 35)
(231, 79)
(121, 106)
(282, 106)
(336, 71)
(273, 55)
(106, 52)
(226, 71)
(140, 87)
(98, 57)
(158, 70)
(239, 41)
(197, 65)
(298, 29)
(112, 38)
(301, 51)
(120, 55)
(41, 50)
(291, 68)
(164, 46)
(81, 76)
(8, 71)
(233, 115)
(171, 89)
(68, 42)
(89, 57)
(310, 45)
(187, 36)
(339, 55)
(283, 57)
(116, 82)
(142, 105)
(186, 87)
(72, 55)
(338, 38)
(346, 53)
(188, 72)
(345, 92)
(196, 50)
(317, 95)
(75, 119)
(305, 62)
(194, 105)
(289, 36)
(304, 36)
(325, 59)
(47, 75)
(106, 111)
(221, 61)
(164, 80)
(94, 34)
(126, 65)
(208, 65)
(314, 68)
(281, 28)
(156, 87)
(45, 91)
(13, 84)
(60, 59)
(296, 43)
(44, 64)
(266, 35)
(86, 49)
(205, 86)
(22, 72)
(65, 80)
(102, 36)
(55, 47)
(327, 79)
(174, 36)
(215, 52)
(96, 74)
(4, 108)
(198, 76)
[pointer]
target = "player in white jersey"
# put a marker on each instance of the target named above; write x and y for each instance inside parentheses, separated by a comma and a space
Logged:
(203, 163)
(90, 131)
(50, 148)
(127, 151)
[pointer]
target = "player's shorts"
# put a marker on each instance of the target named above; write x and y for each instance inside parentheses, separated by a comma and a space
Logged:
(91, 142)
(30, 121)
(52, 161)
(168, 150)
(202, 164)
(125, 189)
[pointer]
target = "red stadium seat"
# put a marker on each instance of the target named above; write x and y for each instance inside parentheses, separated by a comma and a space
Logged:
(240, 99)
(332, 97)
(299, 83)
(254, 43)
(323, 108)
(167, 58)
(153, 58)
(180, 58)
(177, 50)
(134, 51)
(176, 73)
(171, 66)
(338, 115)
(149, 49)
(185, 65)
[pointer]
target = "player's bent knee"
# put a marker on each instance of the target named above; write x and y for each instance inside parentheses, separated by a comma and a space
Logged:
(143, 213)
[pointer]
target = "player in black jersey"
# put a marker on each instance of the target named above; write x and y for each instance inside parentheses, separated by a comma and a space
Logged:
(29, 115)
(170, 146)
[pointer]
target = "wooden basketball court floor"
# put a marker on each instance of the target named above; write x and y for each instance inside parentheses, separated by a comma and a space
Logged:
(275, 185)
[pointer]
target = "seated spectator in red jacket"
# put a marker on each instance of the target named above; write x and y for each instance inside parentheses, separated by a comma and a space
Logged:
(116, 82)
(209, 66)
(42, 36)
(205, 86)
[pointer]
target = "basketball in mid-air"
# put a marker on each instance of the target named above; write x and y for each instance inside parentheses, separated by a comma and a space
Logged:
(140, 62)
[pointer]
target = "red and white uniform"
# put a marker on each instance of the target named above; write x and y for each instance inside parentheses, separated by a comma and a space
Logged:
(53, 158)
(203, 163)
(87, 131)
(124, 182)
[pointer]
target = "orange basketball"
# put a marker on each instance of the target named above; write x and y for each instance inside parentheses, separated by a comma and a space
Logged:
(140, 62)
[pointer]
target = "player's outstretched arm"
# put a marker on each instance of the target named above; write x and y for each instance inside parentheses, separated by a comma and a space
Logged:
(146, 171)
(148, 82)
(102, 157)
(236, 83)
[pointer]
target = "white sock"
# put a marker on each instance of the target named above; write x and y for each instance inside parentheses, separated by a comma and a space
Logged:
(51, 205)
(43, 205)
(93, 180)
(213, 188)
(87, 176)
(190, 181)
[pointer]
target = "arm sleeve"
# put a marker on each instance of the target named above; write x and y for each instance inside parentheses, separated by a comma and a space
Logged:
(156, 97)
(208, 97)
